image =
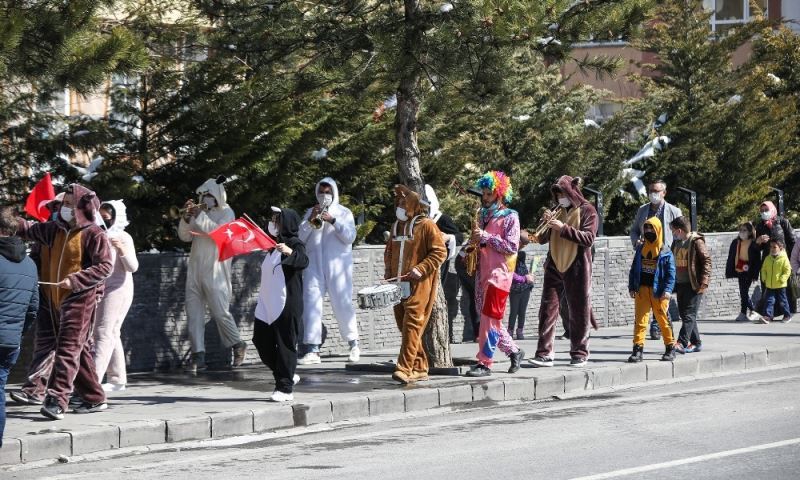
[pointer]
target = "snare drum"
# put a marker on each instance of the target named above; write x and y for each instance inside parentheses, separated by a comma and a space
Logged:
(379, 296)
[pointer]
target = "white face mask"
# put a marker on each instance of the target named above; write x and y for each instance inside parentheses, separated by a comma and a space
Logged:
(400, 213)
(766, 215)
(325, 199)
(210, 202)
(655, 198)
(564, 202)
(66, 214)
(743, 236)
(273, 229)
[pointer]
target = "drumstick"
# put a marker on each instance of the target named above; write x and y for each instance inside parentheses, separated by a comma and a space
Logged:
(386, 280)
(48, 283)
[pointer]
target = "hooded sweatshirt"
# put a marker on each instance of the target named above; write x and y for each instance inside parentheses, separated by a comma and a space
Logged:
(124, 265)
(19, 292)
(653, 265)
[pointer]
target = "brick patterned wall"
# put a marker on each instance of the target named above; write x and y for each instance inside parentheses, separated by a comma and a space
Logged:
(155, 337)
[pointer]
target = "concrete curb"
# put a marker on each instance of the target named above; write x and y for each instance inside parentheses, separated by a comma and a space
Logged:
(49, 445)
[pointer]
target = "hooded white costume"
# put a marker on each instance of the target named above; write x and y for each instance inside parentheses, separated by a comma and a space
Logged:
(208, 281)
(330, 269)
(109, 356)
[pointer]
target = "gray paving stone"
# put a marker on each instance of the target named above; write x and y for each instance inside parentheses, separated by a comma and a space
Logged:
(778, 355)
(549, 386)
(421, 399)
(686, 366)
(267, 419)
(11, 451)
(733, 361)
(386, 403)
(632, 373)
(142, 432)
(352, 407)
(755, 359)
(709, 363)
(45, 446)
(194, 428)
(226, 424)
(658, 371)
(605, 377)
(794, 353)
(493, 390)
(455, 395)
(576, 382)
(310, 413)
(96, 439)
(520, 389)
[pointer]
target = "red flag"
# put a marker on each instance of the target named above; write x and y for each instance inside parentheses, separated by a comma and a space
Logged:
(36, 204)
(239, 237)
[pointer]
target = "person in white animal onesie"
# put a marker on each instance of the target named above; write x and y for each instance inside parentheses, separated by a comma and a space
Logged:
(208, 281)
(330, 270)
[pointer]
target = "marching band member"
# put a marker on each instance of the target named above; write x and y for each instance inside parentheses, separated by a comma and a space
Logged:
(328, 231)
(414, 253)
(208, 281)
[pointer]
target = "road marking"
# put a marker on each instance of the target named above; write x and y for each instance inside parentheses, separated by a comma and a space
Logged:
(690, 460)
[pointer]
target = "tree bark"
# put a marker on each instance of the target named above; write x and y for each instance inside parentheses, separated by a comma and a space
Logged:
(436, 339)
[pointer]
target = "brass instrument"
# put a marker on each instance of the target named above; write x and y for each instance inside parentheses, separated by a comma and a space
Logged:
(317, 221)
(177, 212)
(471, 260)
(544, 223)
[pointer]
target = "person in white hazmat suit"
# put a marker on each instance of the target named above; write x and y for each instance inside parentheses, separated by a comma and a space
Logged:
(330, 270)
(208, 281)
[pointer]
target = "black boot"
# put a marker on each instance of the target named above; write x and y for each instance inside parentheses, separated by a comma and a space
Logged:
(669, 354)
(655, 331)
(516, 360)
(636, 356)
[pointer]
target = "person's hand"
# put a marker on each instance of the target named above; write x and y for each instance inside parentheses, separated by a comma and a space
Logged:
(118, 244)
(632, 293)
(762, 239)
(555, 224)
(529, 278)
(327, 217)
(65, 284)
(476, 235)
(315, 211)
(414, 274)
(640, 242)
(284, 249)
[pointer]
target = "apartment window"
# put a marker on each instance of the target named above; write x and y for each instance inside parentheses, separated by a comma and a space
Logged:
(727, 14)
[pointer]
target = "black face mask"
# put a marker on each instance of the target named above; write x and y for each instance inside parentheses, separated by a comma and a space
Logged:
(650, 236)
(108, 222)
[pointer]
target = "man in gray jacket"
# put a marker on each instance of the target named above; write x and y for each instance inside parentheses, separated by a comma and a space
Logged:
(666, 212)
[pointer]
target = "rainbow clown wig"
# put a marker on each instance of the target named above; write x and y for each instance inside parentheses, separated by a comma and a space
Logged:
(497, 182)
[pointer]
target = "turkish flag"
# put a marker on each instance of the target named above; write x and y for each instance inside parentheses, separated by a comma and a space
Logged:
(239, 237)
(42, 193)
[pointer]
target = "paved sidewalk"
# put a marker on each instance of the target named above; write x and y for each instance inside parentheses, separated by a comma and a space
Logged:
(159, 408)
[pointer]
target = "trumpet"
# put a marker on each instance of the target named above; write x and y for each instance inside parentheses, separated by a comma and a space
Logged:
(317, 221)
(546, 217)
(177, 212)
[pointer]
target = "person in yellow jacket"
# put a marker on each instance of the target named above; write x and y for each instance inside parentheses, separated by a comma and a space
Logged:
(775, 272)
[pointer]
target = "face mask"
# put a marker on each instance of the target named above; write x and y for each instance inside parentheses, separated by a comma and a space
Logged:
(272, 228)
(775, 254)
(325, 199)
(677, 236)
(66, 214)
(564, 202)
(766, 216)
(650, 236)
(655, 198)
(108, 222)
(743, 236)
(400, 213)
(210, 202)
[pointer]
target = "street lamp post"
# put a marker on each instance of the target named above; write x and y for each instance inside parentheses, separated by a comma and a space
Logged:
(692, 206)
(598, 205)
(779, 193)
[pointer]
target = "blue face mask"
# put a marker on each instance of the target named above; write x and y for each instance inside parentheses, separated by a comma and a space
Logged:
(489, 211)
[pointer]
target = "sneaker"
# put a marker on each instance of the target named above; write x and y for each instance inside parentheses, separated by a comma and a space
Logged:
(479, 370)
(762, 319)
(418, 376)
(52, 410)
(742, 317)
(694, 348)
(75, 400)
(636, 356)
(87, 407)
(24, 399)
(278, 396)
(113, 387)
(578, 362)
(669, 354)
(401, 377)
(698, 348)
(655, 331)
(239, 352)
(355, 354)
(310, 358)
(538, 361)
(679, 348)
(787, 318)
(197, 363)
(295, 379)
(516, 360)
(754, 316)
(520, 334)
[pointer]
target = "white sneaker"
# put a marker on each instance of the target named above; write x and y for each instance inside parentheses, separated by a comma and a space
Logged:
(310, 358)
(355, 354)
(295, 379)
(742, 317)
(278, 396)
(113, 387)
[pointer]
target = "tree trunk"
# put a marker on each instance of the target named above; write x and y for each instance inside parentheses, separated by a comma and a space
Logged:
(436, 339)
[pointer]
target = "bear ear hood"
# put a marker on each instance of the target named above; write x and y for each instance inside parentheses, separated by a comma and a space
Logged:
(214, 187)
(413, 203)
(87, 205)
(571, 187)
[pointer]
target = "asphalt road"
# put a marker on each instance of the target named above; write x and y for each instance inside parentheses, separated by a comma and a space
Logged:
(743, 426)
